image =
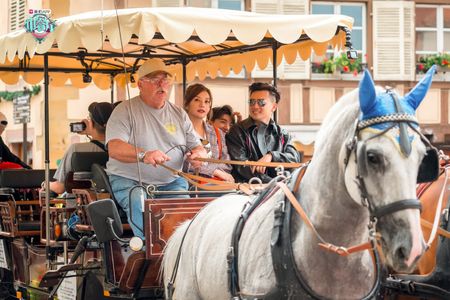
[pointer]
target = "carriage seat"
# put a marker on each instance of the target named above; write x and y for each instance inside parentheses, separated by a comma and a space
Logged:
(23, 178)
(101, 185)
(29, 225)
(80, 177)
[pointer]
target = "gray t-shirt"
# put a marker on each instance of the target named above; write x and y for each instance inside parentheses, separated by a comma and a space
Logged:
(155, 129)
(65, 166)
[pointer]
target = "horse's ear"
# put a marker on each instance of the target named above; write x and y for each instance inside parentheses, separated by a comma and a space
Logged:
(417, 94)
(367, 93)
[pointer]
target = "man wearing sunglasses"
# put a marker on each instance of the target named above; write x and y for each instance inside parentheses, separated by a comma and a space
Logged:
(5, 154)
(259, 138)
(144, 132)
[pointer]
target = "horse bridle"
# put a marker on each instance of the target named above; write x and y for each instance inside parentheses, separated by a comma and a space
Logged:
(403, 121)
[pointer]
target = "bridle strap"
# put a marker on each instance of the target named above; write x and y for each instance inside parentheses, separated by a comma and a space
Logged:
(379, 212)
(435, 227)
(343, 251)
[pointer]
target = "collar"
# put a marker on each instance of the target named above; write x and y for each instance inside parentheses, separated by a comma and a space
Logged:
(249, 124)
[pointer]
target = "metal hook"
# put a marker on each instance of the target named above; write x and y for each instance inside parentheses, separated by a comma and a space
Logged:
(255, 180)
(151, 188)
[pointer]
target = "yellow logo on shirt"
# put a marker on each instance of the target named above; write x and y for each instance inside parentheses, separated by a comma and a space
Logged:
(171, 128)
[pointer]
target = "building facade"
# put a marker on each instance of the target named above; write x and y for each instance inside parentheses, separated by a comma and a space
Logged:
(396, 40)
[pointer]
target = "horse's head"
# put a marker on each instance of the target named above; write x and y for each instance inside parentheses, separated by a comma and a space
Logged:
(382, 168)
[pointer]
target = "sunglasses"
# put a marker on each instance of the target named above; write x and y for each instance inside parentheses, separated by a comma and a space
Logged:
(4, 123)
(261, 102)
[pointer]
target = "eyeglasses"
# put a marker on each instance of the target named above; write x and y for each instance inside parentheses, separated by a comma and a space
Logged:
(4, 122)
(261, 102)
(161, 80)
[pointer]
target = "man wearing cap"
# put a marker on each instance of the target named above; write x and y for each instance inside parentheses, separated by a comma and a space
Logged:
(99, 113)
(259, 138)
(5, 154)
(146, 131)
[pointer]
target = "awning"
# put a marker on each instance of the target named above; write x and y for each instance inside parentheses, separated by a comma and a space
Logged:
(208, 41)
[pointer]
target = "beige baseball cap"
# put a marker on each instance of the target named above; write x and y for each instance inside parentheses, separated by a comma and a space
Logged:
(150, 66)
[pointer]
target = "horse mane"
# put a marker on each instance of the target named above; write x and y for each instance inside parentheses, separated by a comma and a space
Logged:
(342, 115)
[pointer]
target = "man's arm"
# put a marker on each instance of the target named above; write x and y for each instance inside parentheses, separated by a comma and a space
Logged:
(127, 153)
(288, 153)
(237, 149)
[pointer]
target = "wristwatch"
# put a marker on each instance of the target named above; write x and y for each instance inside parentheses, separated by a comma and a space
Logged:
(141, 156)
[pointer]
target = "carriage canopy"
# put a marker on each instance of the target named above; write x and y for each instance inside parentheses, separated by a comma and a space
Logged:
(207, 41)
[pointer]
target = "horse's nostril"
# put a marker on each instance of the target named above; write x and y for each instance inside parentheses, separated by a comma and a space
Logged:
(401, 254)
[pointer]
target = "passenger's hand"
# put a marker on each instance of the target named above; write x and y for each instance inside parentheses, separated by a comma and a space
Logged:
(223, 175)
(198, 151)
(155, 157)
(260, 169)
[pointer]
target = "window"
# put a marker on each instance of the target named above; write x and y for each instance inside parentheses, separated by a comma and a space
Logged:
(355, 10)
(17, 9)
(224, 4)
(432, 29)
(231, 4)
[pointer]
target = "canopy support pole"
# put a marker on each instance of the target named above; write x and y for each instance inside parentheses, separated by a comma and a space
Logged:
(184, 77)
(274, 70)
(112, 88)
(47, 161)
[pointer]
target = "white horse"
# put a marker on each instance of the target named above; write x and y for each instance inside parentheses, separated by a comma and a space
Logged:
(331, 195)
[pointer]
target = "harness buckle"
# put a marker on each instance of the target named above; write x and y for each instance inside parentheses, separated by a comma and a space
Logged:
(365, 202)
(230, 255)
(373, 234)
(282, 205)
(445, 214)
(280, 170)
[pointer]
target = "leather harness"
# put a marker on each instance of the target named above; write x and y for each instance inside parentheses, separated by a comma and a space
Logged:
(290, 284)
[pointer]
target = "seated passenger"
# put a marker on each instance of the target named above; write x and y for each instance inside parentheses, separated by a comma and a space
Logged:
(99, 113)
(259, 138)
(143, 132)
(223, 117)
(6, 156)
(197, 103)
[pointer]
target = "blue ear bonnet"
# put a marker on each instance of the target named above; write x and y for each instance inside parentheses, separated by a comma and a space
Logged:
(382, 104)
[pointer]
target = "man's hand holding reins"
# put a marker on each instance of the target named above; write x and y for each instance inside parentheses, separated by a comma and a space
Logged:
(155, 157)
(260, 169)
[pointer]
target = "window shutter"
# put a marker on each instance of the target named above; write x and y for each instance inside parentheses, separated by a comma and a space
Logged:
(296, 109)
(265, 7)
(17, 10)
(294, 7)
(393, 42)
(168, 3)
(298, 70)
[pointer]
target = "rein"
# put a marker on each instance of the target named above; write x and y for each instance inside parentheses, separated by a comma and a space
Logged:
(342, 251)
(251, 163)
(219, 185)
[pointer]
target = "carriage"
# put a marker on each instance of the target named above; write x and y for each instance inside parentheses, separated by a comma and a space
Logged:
(45, 253)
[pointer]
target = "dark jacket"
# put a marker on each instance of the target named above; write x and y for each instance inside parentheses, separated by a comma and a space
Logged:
(246, 141)
(7, 155)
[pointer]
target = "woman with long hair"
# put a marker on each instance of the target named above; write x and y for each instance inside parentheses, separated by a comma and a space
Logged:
(198, 103)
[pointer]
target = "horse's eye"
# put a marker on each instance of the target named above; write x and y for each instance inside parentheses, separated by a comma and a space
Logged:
(373, 158)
